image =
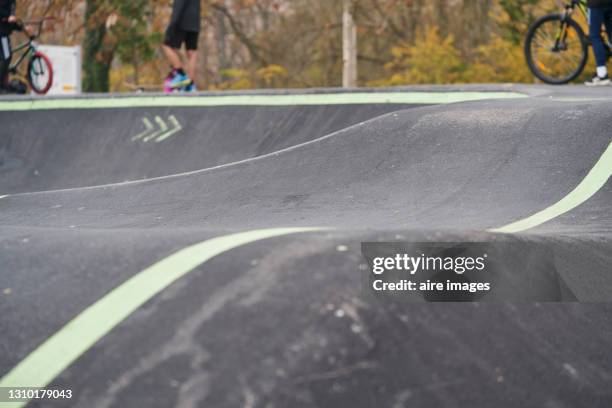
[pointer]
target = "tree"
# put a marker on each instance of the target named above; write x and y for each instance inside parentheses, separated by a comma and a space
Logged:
(349, 46)
(114, 27)
(299, 43)
(98, 52)
(431, 60)
(518, 18)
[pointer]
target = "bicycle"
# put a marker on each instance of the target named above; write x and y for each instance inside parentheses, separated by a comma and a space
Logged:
(556, 47)
(40, 69)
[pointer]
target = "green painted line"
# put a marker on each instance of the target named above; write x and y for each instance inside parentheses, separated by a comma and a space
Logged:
(58, 352)
(591, 184)
(256, 100)
(163, 128)
(142, 134)
(172, 132)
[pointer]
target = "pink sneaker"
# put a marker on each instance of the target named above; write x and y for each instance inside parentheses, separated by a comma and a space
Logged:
(168, 82)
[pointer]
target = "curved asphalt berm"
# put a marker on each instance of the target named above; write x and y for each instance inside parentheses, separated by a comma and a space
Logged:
(128, 144)
(208, 314)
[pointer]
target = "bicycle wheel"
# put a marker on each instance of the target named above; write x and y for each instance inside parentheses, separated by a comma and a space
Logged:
(40, 73)
(556, 51)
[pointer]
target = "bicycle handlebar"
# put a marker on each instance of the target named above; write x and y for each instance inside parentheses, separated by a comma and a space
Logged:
(38, 23)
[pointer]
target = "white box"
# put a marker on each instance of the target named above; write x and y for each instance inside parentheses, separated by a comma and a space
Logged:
(66, 63)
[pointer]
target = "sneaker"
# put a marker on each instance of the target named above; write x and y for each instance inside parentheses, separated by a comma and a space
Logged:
(597, 81)
(191, 87)
(179, 81)
(168, 82)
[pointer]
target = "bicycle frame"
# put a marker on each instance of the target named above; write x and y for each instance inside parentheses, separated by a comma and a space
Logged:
(569, 11)
(30, 50)
(581, 5)
(29, 46)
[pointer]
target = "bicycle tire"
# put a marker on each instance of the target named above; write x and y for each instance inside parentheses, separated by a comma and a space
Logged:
(40, 89)
(533, 30)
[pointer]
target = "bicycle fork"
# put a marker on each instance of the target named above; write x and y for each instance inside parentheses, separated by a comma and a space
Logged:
(561, 37)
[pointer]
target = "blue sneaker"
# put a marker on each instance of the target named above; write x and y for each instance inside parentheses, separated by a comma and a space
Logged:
(179, 81)
(191, 87)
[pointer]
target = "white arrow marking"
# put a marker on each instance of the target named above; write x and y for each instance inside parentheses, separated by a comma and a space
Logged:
(177, 128)
(149, 127)
(163, 128)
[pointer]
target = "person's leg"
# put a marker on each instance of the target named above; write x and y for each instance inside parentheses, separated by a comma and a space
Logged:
(172, 56)
(172, 43)
(177, 79)
(191, 44)
(192, 62)
(596, 20)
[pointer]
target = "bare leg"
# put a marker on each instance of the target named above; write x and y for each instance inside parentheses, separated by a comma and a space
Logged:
(172, 56)
(192, 61)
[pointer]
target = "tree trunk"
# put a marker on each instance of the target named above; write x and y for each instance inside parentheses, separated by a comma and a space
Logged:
(221, 37)
(349, 46)
(441, 8)
(96, 57)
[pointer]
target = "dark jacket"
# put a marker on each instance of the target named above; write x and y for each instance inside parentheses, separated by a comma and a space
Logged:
(599, 3)
(185, 15)
(7, 9)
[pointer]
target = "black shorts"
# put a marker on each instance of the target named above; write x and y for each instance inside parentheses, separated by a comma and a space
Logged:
(176, 37)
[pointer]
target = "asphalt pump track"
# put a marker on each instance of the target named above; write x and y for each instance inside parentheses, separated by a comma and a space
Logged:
(206, 251)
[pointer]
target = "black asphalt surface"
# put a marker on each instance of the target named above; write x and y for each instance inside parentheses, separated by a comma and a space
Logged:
(39, 146)
(284, 322)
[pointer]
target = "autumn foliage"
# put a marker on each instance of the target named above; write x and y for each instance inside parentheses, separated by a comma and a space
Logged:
(297, 43)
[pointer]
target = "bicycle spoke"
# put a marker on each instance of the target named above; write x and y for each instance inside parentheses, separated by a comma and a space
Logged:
(39, 74)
